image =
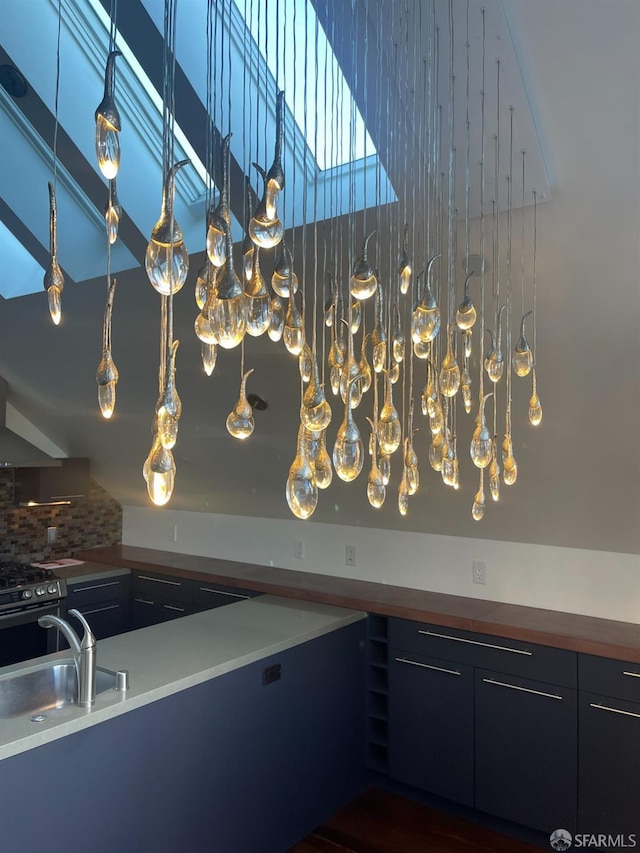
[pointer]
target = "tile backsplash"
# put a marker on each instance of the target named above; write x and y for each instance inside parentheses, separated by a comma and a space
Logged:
(88, 522)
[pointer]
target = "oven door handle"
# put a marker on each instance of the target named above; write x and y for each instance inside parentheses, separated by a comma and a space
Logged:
(25, 616)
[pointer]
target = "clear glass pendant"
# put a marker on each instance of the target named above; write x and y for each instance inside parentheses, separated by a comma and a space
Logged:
(206, 281)
(480, 501)
(466, 314)
(112, 213)
(467, 340)
(169, 406)
(305, 363)
(448, 460)
(53, 278)
(276, 323)
(348, 450)
(284, 278)
(403, 493)
(465, 387)
(274, 181)
(336, 363)
(247, 243)
(494, 473)
(425, 321)
(166, 259)
(363, 281)
(266, 232)
(435, 451)
(379, 334)
(494, 360)
(208, 354)
(107, 373)
(510, 466)
(389, 427)
(404, 266)
(293, 335)
(108, 125)
(356, 315)
(202, 325)
(394, 372)
(376, 491)
(322, 464)
(227, 311)
(302, 488)
(481, 449)
(397, 344)
(316, 411)
(219, 218)
(350, 379)
(257, 300)
(384, 462)
(522, 357)
(449, 370)
(430, 392)
(411, 466)
(240, 423)
(161, 474)
(421, 349)
(535, 406)
(436, 418)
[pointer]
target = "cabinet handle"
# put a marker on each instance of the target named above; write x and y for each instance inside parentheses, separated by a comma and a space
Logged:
(428, 666)
(159, 580)
(632, 674)
(613, 710)
(172, 607)
(75, 589)
(143, 601)
(222, 592)
(475, 643)
(522, 689)
(101, 609)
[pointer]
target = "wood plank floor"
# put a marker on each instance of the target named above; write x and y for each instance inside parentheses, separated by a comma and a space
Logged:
(379, 822)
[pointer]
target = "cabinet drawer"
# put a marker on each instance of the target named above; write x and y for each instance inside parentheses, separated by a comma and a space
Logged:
(152, 586)
(148, 611)
(209, 595)
(609, 677)
(528, 660)
(106, 618)
(93, 592)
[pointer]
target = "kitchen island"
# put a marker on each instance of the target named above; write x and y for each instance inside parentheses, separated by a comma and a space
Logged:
(241, 730)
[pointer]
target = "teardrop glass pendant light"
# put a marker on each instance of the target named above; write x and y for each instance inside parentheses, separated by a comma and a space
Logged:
(510, 466)
(293, 335)
(169, 406)
(265, 231)
(53, 278)
(466, 314)
(435, 451)
(208, 354)
(316, 411)
(166, 259)
(379, 334)
(160, 474)
(389, 427)
(480, 501)
(535, 406)
(240, 422)
(363, 281)
(305, 363)
(351, 373)
(481, 449)
(403, 493)
(205, 280)
(112, 213)
(397, 343)
(274, 181)
(405, 269)
(219, 218)
(322, 464)
(257, 300)
(108, 125)
(348, 450)
(376, 490)
(284, 278)
(276, 323)
(228, 310)
(302, 488)
(449, 370)
(247, 244)
(494, 473)
(425, 322)
(465, 388)
(494, 360)
(356, 315)
(523, 357)
(107, 373)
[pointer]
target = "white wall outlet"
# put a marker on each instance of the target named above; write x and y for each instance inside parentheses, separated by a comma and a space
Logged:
(350, 555)
(479, 571)
(173, 533)
(298, 549)
(52, 535)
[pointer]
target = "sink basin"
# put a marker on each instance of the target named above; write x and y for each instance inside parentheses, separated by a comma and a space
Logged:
(45, 688)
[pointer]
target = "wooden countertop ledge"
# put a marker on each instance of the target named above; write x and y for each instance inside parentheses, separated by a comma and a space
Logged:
(589, 634)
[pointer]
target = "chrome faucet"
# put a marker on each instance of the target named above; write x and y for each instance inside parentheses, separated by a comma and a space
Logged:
(84, 654)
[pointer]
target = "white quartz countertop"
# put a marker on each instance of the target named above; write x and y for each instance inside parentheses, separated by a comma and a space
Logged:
(173, 656)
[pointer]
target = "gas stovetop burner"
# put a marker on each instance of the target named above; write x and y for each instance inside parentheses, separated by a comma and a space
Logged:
(22, 584)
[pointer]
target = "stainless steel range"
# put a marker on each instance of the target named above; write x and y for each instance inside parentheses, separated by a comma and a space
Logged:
(26, 593)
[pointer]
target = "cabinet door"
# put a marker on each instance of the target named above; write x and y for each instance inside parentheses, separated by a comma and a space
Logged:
(526, 751)
(106, 619)
(431, 725)
(149, 611)
(609, 799)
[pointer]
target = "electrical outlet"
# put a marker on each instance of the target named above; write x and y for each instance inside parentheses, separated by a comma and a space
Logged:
(52, 535)
(350, 555)
(173, 533)
(479, 571)
(298, 549)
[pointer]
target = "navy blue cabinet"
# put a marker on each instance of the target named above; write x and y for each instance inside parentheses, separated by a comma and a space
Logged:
(104, 602)
(609, 719)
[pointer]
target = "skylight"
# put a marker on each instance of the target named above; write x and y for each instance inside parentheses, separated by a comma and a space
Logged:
(307, 69)
(23, 273)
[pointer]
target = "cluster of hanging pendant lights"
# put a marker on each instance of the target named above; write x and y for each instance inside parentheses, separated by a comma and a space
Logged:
(422, 314)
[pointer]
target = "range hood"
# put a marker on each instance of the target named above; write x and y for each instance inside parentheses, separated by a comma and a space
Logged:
(18, 438)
